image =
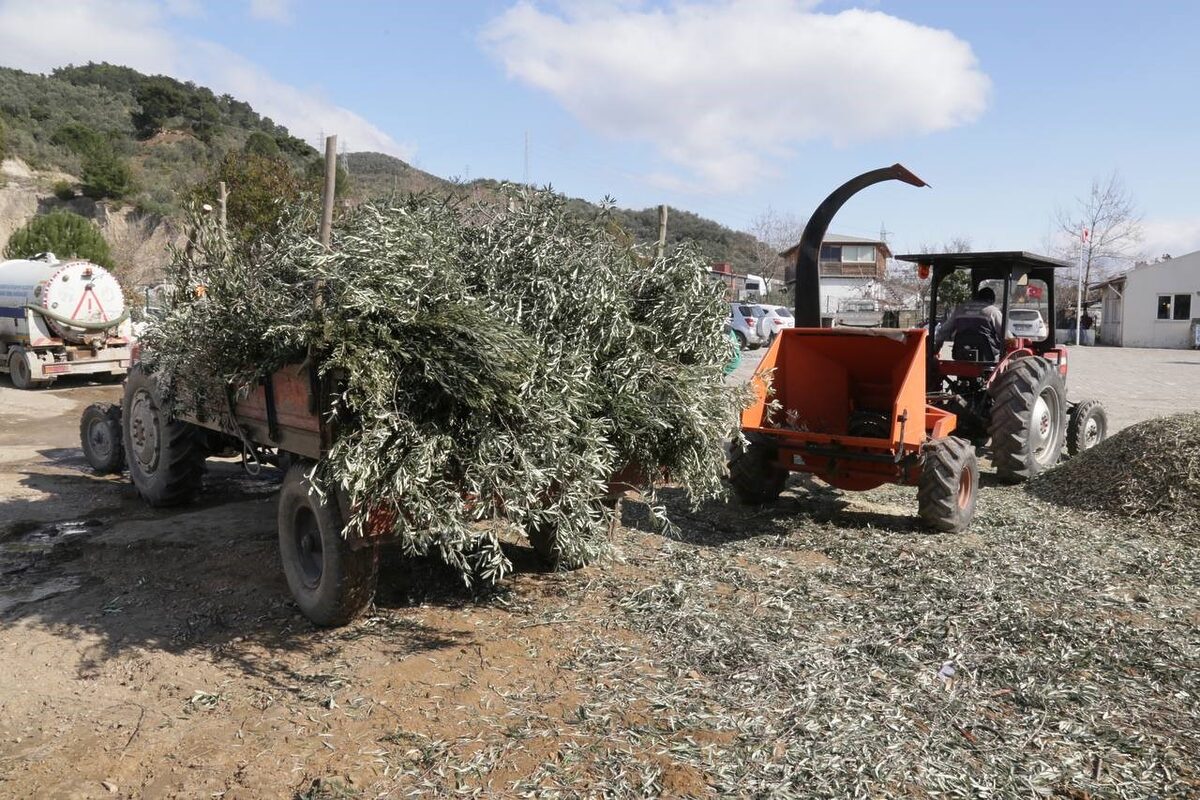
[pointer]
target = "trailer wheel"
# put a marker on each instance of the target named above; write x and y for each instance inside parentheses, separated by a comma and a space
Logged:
(19, 371)
(1087, 426)
(755, 476)
(330, 581)
(100, 438)
(543, 537)
(165, 457)
(1028, 420)
(948, 485)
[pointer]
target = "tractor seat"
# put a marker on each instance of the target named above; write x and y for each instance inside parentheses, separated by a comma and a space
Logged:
(975, 346)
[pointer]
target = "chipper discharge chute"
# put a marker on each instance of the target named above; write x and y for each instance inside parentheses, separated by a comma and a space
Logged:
(849, 406)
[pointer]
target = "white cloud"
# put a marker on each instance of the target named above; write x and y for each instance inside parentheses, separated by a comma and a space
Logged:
(726, 88)
(272, 10)
(1174, 236)
(39, 35)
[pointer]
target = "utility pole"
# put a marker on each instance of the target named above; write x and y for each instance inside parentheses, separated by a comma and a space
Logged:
(223, 205)
(330, 187)
(661, 250)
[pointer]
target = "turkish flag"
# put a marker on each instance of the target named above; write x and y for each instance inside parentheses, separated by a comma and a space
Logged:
(1033, 292)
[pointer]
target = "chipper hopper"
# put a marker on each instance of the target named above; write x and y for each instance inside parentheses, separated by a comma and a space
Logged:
(849, 406)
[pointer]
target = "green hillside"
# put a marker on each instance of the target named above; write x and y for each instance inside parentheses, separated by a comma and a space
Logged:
(377, 174)
(151, 140)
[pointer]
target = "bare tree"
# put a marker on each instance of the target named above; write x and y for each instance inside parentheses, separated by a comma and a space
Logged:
(773, 232)
(1113, 223)
(902, 281)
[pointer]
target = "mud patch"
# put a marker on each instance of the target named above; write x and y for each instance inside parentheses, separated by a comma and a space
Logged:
(28, 550)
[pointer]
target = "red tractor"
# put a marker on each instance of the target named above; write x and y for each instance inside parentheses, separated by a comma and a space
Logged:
(859, 408)
(1012, 393)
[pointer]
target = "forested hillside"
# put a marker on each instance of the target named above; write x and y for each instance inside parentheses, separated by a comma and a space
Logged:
(150, 141)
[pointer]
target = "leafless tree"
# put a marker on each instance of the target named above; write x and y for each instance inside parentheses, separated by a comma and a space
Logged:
(1114, 225)
(774, 233)
(902, 282)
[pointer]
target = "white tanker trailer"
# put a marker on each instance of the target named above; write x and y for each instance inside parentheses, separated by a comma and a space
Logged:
(61, 318)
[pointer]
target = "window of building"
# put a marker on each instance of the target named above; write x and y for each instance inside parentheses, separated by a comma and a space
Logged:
(1164, 306)
(858, 254)
(831, 252)
(1183, 306)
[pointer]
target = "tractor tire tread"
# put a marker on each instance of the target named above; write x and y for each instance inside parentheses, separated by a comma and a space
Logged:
(938, 487)
(755, 478)
(349, 578)
(108, 414)
(183, 469)
(1014, 395)
(1075, 430)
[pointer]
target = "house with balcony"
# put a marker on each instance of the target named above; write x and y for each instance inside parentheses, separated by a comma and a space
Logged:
(851, 267)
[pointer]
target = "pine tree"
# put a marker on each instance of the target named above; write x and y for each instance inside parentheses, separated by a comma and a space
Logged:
(65, 234)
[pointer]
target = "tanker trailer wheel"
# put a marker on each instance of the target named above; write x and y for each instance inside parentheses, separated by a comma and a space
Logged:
(948, 485)
(165, 457)
(1087, 426)
(1028, 420)
(331, 581)
(100, 438)
(19, 371)
(754, 473)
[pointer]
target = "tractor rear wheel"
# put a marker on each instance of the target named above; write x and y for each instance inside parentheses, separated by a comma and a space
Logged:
(1028, 420)
(948, 485)
(165, 456)
(1087, 426)
(331, 581)
(755, 474)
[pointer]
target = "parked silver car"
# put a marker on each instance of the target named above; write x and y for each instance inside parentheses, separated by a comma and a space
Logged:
(744, 322)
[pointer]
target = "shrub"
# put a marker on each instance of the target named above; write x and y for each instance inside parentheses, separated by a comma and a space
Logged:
(63, 233)
(106, 175)
(63, 190)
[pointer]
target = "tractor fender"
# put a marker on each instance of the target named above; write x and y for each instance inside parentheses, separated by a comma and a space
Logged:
(1009, 358)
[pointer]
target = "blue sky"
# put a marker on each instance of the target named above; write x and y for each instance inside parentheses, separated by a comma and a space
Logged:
(724, 108)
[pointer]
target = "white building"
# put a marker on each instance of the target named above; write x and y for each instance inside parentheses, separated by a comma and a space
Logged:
(851, 268)
(1153, 305)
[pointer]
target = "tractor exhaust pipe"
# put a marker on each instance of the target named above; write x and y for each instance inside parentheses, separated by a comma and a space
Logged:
(808, 274)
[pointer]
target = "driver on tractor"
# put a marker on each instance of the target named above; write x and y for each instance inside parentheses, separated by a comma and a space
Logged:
(976, 327)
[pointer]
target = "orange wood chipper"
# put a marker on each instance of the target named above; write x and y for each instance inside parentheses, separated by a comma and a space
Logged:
(859, 408)
(848, 405)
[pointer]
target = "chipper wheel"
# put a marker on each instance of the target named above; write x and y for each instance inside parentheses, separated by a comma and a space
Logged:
(947, 489)
(1028, 420)
(331, 580)
(1087, 426)
(100, 438)
(165, 457)
(754, 474)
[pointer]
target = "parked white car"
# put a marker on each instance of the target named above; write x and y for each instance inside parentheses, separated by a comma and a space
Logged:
(744, 321)
(773, 320)
(1026, 323)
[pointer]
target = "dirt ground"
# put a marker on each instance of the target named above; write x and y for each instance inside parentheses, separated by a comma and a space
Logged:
(823, 647)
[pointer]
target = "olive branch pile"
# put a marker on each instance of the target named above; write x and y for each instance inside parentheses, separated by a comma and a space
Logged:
(499, 360)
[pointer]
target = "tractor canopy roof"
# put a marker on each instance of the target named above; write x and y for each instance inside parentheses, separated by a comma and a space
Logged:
(993, 262)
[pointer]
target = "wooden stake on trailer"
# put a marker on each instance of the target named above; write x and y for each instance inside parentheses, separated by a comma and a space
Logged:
(661, 250)
(330, 186)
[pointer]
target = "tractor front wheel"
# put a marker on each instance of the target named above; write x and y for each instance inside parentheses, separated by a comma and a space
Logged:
(1028, 420)
(100, 438)
(755, 475)
(948, 485)
(1087, 426)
